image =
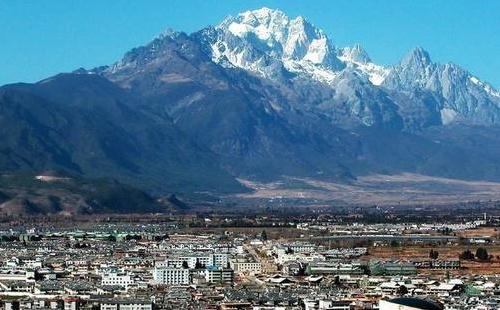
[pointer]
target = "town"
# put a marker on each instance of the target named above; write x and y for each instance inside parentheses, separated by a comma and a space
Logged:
(276, 262)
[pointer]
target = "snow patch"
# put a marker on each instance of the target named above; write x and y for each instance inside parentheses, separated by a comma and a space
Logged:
(318, 50)
(448, 116)
(239, 30)
(316, 72)
(49, 178)
(375, 73)
(485, 86)
(297, 44)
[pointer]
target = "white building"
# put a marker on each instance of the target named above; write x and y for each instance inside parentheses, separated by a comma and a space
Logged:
(117, 278)
(17, 275)
(130, 304)
(301, 247)
(244, 266)
(171, 276)
(193, 261)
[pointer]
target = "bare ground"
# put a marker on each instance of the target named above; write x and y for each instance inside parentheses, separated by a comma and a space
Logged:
(379, 189)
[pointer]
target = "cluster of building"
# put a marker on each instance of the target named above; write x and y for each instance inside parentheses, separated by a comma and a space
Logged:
(155, 270)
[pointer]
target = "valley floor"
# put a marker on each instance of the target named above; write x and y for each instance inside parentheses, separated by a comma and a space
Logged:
(404, 189)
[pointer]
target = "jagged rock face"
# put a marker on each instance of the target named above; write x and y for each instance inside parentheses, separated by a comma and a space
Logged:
(258, 40)
(302, 70)
(357, 58)
(463, 97)
(270, 44)
(246, 120)
(354, 54)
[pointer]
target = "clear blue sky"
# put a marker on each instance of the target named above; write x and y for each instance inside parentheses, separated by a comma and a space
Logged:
(41, 38)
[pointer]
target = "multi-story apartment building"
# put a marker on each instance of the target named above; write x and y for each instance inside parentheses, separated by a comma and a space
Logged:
(245, 266)
(117, 278)
(171, 276)
(196, 261)
(219, 275)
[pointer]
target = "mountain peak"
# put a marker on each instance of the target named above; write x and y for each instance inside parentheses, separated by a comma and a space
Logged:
(255, 18)
(263, 13)
(355, 54)
(169, 33)
(417, 56)
(267, 24)
(262, 39)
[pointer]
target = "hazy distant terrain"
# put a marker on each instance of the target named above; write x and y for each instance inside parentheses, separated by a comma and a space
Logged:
(405, 189)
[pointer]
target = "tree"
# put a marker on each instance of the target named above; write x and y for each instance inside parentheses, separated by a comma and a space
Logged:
(482, 254)
(436, 255)
(394, 244)
(337, 280)
(199, 265)
(133, 237)
(185, 265)
(467, 255)
(433, 254)
(402, 290)
(263, 235)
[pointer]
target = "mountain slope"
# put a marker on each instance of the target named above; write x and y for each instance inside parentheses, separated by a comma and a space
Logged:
(86, 124)
(227, 110)
(251, 91)
(52, 193)
(463, 98)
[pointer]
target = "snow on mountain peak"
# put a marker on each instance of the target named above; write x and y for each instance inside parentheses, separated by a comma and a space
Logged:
(485, 86)
(266, 24)
(293, 38)
(357, 58)
(264, 39)
(263, 15)
(268, 42)
(354, 54)
(463, 96)
(168, 33)
(416, 69)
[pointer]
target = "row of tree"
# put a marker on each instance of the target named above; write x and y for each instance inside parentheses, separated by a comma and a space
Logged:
(481, 254)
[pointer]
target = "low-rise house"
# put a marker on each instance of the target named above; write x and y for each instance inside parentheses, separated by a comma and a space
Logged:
(126, 304)
(334, 268)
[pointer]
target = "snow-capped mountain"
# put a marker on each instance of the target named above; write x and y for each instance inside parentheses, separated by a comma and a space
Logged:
(357, 58)
(263, 40)
(257, 40)
(259, 96)
(313, 75)
(463, 96)
(266, 95)
(274, 46)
